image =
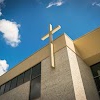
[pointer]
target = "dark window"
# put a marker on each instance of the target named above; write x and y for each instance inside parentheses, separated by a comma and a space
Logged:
(96, 69)
(97, 81)
(99, 93)
(35, 88)
(36, 70)
(34, 74)
(7, 87)
(2, 89)
(20, 79)
(96, 73)
(27, 75)
(13, 83)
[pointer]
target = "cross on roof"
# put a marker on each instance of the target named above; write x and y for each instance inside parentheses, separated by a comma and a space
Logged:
(51, 42)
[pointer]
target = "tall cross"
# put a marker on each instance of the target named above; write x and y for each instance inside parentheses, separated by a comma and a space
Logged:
(51, 42)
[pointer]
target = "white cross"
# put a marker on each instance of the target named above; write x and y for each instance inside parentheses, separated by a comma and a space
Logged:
(51, 42)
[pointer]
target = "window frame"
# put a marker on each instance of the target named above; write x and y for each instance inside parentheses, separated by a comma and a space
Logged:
(7, 88)
(15, 84)
(3, 89)
(25, 78)
(39, 76)
(34, 75)
(96, 76)
(18, 79)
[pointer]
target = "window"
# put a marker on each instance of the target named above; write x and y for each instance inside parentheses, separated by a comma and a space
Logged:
(2, 89)
(27, 75)
(13, 83)
(96, 73)
(20, 79)
(7, 86)
(99, 93)
(97, 81)
(33, 75)
(96, 69)
(36, 70)
(35, 88)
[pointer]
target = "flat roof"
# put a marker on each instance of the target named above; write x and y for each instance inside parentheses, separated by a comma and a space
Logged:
(88, 47)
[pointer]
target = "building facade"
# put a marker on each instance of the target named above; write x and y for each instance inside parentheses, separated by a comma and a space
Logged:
(76, 75)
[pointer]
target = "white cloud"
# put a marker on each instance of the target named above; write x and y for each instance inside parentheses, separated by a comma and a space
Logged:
(3, 67)
(1, 1)
(0, 13)
(57, 3)
(93, 3)
(96, 4)
(10, 32)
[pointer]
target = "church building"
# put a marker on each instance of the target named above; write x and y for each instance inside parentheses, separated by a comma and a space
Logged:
(65, 69)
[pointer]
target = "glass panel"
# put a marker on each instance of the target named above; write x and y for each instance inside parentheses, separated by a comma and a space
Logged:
(27, 75)
(36, 70)
(99, 93)
(2, 89)
(96, 69)
(20, 79)
(97, 81)
(35, 88)
(13, 83)
(7, 87)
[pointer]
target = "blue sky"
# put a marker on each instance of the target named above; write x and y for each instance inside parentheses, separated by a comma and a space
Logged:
(24, 22)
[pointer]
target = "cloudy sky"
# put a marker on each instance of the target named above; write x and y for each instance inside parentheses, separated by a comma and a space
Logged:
(24, 22)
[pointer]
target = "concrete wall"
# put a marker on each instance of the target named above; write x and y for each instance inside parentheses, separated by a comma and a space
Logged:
(19, 93)
(56, 84)
(88, 81)
(76, 76)
(84, 86)
(70, 80)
